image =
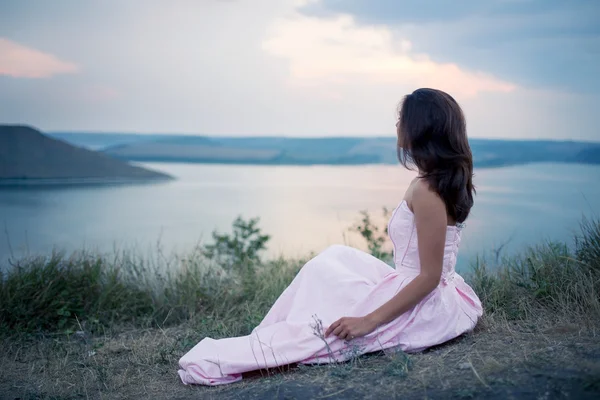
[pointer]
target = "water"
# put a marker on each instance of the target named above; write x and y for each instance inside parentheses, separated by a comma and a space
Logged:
(304, 208)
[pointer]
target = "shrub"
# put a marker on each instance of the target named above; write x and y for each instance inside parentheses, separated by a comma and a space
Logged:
(374, 237)
(241, 249)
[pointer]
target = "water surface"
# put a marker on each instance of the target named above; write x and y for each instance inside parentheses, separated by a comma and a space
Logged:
(304, 208)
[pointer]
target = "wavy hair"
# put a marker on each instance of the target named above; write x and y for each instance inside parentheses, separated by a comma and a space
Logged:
(432, 136)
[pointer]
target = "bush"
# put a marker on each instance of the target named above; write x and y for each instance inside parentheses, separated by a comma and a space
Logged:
(239, 250)
(374, 237)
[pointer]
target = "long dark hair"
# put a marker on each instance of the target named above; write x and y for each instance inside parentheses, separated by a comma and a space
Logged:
(432, 135)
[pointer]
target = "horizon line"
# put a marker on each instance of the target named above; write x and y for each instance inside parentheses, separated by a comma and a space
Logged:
(281, 136)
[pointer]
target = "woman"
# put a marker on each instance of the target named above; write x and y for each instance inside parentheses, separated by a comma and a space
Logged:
(345, 302)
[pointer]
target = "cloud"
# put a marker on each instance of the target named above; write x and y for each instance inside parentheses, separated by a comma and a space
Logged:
(535, 43)
(336, 51)
(19, 61)
(267, 68)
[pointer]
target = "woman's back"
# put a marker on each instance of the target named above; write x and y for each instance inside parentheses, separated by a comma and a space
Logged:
(402, 232)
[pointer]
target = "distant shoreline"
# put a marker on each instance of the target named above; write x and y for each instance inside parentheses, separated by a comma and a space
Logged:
(56, 182)
(487, 153)
(492, 164)
(133, 136)
(9, 183)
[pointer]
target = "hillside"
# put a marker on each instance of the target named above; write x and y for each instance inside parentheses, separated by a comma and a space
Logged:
(306, 151)
(27, 155)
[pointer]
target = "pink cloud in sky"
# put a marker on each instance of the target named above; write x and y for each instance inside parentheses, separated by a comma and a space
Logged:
(19, 61)
(337, 51)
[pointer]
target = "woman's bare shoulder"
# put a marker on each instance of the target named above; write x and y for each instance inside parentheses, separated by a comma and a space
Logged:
(427, 201)
(418, 190)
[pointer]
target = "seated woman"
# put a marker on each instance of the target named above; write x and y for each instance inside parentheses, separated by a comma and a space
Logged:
(346, 299)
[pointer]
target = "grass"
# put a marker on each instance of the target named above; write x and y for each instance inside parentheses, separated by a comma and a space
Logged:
(87, 324)
(60, 294)
(64, 294)
(550, 279)
(225, 287)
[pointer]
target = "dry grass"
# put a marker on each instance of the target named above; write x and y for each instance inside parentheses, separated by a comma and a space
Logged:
(500, 359)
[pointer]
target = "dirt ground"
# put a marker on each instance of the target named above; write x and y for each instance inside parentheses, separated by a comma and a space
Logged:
(497, 361)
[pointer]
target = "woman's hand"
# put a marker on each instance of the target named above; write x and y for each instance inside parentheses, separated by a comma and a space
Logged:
(349, 328)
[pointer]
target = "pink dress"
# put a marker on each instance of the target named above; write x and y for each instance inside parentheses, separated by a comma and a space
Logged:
(344, 282)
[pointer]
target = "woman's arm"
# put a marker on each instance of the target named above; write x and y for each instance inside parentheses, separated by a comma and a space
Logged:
(431, 221)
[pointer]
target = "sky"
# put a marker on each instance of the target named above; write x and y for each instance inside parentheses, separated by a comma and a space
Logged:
(303, 68)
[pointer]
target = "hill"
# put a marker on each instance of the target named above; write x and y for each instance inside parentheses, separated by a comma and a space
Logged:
(344, 151)
(28, 156)
(329, 151)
